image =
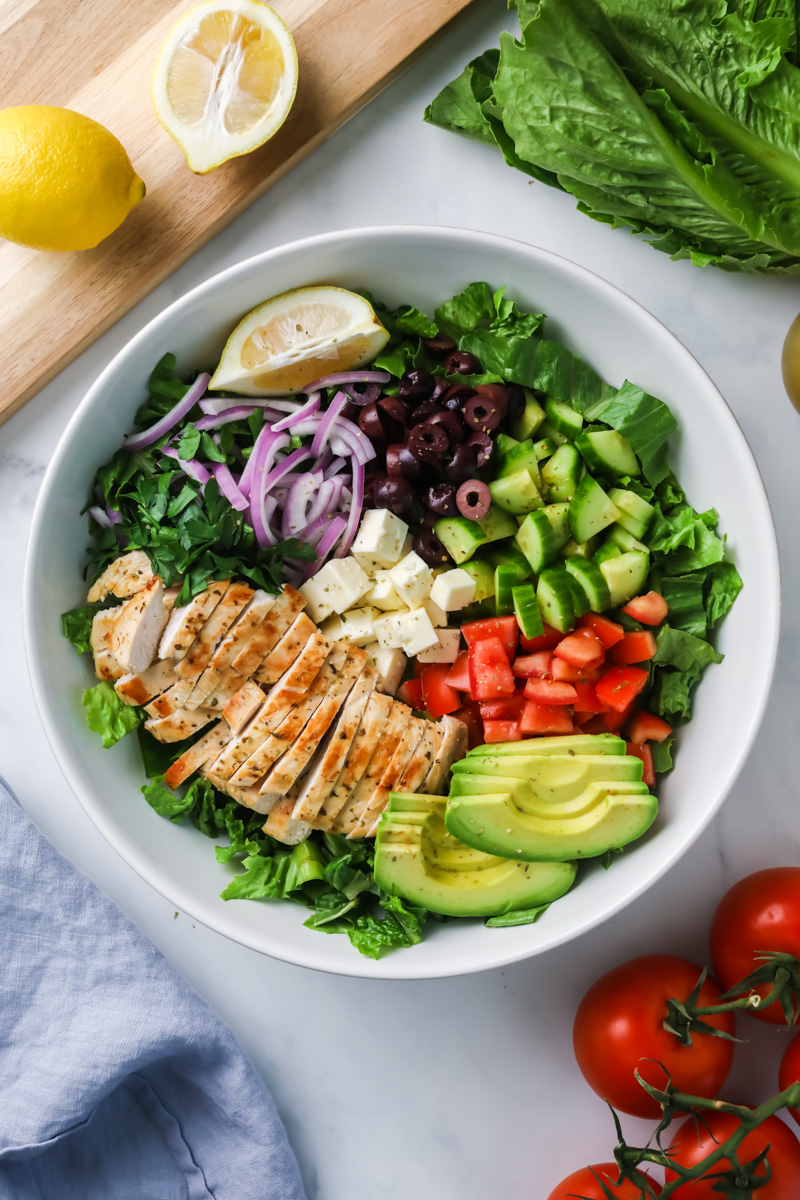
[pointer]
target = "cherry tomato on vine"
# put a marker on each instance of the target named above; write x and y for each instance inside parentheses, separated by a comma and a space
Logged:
(759, 914)
(790, 1070)
(693, 1142)
(620, 1022)
(584, 1183)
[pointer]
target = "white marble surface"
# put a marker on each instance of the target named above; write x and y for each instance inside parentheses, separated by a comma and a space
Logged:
(463, 1088)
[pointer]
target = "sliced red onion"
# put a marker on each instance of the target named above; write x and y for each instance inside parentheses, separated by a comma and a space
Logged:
(214, 420)
(326, 543)
(327, 423)
(338, 377)
(114, 517)
(264, 455)
(228, 487)
(138, 441)
(334, 467)
(99, 516)
(308, 410)
(286, 467)
(297, 501)
(323, 502)
(189, 466)
(348, 440)
(355, 510)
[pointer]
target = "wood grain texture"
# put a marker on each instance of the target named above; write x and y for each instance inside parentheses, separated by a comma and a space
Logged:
(96, 56)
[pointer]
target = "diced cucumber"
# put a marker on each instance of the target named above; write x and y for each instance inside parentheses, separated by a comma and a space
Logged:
(536, 540)
(588, 576)
(462, 537)
(543, 449)
(517, 493)
(635, 514)
(549, 431)
(505, 580)
(606, 551)
(558, 516)
(479, 610)
(497, 525)
(626, 541)
(580, 604)
(507, 554)
(625, 576)
(562, 472)
(590, 510)
(565, 419)
(529, 420)
(555, 599)
(608, 452)
(575, 549)
(527, 611)
(504, 444)
(522, 458)
(483, 574)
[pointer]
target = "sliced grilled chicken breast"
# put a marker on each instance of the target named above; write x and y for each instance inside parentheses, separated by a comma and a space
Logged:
(186, 622)
(396, 728)
(455, 742)
(123, 577)
(138, 689)
(200, 752)
(136, 632)
(281, 824)
(376, 797)
(329, 759)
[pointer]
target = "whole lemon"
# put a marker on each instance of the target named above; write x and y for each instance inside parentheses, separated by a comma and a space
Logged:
(65, 181)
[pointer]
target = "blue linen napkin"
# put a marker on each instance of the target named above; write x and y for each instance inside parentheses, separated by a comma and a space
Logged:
(117, 1082)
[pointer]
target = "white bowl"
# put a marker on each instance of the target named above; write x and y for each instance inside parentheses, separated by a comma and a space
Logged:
(421, 266)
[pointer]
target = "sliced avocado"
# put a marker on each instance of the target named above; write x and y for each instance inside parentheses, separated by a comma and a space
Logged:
(544, 779)
(417, 858)
(495, 824)
(568, 743)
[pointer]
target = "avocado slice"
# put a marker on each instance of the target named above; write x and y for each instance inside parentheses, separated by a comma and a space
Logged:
(495, 824)
(547, 779)
(568, 743)
(418, 858)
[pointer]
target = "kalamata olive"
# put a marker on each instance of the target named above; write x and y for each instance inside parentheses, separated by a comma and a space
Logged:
(441, 499)
(439, 345)
(349, 411)
(516, 400)
(426, 409)
(416, 384)
(427, 443)
(440, 387)
(457, 396)
(430, 549)
(369, 422)
(462, 463)
(374, 474)
(396, 494)
(451, 423)
(473, 499)
(400, 462)
(415, 514)
(483, 414)
(483, 446)
(362, 393)
(495, 393)
(461, 362)
(429, 519)
(394, 407)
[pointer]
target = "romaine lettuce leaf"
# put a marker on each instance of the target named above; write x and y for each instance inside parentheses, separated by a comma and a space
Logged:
(76, 626)
(723, 586)
(109, 716)
(684, 595)
(676, 648)
(166, 802)
(526, 916)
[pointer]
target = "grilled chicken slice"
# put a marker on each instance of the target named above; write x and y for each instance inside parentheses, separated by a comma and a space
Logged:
(396, 729)
(281, 616)
(105, 664)
(412, 779)
(249, 797)
(163, 705)
(206, 747)
(281, 824)
(284, 653)
(136, 632)
(287, 771)
(186, 622)
(328, 762)
(376, 793)
(455, 743)
(243, 705)
(180, 724)
(295, 682)
(370, 731)
(219, 674)
(123, 577)
(201, 651)
(139, 689)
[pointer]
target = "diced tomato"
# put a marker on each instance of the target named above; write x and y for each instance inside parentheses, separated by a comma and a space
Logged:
(470, 714)
(586, 698)
(545, 641)
(646, 755)
(509, 709)
(594, 725)
(505, 629)
(502, 731)
(490, 675)
(581, 648)
(650, 609)
(647, 727)
(538, 665)
(548, 691)
(410, 692)
(614, 721)
(608, 632)
(546, 718)
(634, 648)
(620, 686)
(417, 668)
(458, 675)
(437, 694)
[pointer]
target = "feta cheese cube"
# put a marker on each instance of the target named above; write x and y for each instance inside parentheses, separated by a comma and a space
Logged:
(453, 590)
(379, 541)
(413, 580)
(384, 594)
(446, 651)
(357, 626)
(343, 583)
(437, 615)
(390, 665)
(415, 631)
(387, 632)
(319, 601)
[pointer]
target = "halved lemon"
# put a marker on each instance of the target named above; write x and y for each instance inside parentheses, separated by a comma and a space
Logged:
(295, 338)
(224, 80)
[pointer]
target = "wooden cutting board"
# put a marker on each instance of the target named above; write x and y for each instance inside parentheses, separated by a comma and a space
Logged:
(96, 56)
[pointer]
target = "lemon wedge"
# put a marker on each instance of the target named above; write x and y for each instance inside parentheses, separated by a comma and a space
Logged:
(224, 80)
(297, 337)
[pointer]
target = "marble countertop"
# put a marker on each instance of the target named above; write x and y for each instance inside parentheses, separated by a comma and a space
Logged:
(454, 1089)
